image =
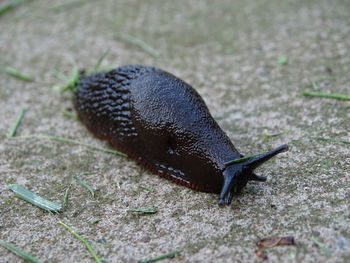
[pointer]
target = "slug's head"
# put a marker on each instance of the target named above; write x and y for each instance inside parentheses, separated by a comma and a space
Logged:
(237, 175)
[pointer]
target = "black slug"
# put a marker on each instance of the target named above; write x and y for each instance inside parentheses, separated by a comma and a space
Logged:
(163, 123)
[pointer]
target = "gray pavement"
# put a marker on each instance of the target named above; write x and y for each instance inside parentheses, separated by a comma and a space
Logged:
(228, 51)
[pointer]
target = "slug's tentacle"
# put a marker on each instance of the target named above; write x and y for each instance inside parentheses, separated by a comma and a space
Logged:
(258, 178)
(261, 158)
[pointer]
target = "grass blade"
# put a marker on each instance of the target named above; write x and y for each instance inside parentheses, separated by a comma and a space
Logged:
(85, 185)
(333, 140)
(34, 199)
(59, 75)
(10, 6)
(24, 255)
(147, 188)
(14, 73)
(99, 61)
(67, 140)
(143, 210)
(70, 115)
(68, 6)
(71, 81)
(95, 221)
(160, 257)
(137, 42)
(322, 247)
(314, 82)
(267, 136)
(243, 159)
(12, 131)
(326, 95)
(282, 60)
(82, 240)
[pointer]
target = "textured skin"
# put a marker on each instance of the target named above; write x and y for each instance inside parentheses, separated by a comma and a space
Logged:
(160, 121)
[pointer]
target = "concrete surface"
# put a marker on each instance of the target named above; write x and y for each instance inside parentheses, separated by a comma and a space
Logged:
(228, 50)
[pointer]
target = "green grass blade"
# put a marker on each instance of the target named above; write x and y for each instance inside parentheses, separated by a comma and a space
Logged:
(16, 74)
(70, 115)
(314, 82)
(68, 5)
(333, 140)
(95, 221)
(99, 61)
(326, 95)
(267, 136)
(34, 199)
(88, 173)
(71, 82)
(325, 250)
(143, 210)
(10, 6)
(59, 75)
(163, 256)
(147, 188)
(12, 131)
(82, 240)
(24, 255)
(243, 159)
(85, 185)
(67, 140)
(137, 42)
(282, 60)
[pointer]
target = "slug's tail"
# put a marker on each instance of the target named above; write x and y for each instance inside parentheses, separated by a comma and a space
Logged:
(237, 175)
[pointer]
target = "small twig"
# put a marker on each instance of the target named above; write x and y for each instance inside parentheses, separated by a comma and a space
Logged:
(143, 210)
(66, 196)
(81, 239)
(275, 241)
(12, 131)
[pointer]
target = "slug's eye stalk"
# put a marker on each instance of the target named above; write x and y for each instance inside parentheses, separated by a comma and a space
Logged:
(261, 158)
(237, 175)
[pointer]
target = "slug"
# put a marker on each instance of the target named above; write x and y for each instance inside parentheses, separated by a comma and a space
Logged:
(163, 123)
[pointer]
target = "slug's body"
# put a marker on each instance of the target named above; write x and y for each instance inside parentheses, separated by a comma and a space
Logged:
(164, 124)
